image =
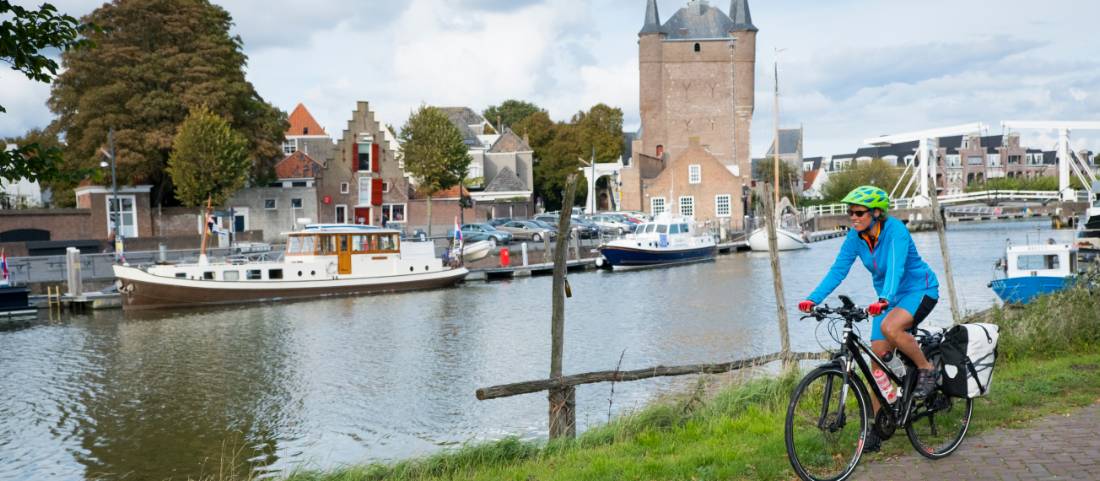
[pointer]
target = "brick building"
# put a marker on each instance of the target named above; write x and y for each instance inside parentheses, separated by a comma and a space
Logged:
(696, 74)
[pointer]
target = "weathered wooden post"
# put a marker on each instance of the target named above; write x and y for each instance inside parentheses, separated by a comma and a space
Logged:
(938, 221)
(777, 277)
(563, 399)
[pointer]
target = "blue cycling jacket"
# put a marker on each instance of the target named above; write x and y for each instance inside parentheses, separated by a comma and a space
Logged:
(896, 267)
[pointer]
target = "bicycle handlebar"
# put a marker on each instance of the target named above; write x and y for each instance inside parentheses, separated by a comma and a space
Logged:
(848, 311)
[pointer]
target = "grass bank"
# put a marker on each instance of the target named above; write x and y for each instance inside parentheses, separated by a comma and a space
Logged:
(1049, 363)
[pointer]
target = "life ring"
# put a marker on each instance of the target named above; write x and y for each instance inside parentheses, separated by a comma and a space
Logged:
(331, 269)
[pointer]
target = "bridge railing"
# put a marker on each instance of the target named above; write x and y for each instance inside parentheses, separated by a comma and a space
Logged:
(812, 211)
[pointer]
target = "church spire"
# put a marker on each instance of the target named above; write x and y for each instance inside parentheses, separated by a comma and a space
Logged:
(652, 19)
(739, 13)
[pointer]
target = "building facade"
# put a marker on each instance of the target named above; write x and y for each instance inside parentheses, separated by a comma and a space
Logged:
(696, 79)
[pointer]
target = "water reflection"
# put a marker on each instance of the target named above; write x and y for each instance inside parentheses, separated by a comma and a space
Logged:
(344, 380)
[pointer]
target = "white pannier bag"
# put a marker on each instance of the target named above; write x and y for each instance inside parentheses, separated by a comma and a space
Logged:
(969, 353)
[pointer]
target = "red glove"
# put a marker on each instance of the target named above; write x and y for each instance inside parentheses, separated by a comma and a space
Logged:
(806, 306)
(877, 307)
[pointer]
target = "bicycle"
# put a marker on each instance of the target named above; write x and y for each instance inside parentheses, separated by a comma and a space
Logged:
(826, 427)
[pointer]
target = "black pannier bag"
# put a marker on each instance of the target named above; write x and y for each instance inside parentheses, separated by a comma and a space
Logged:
(969, 352)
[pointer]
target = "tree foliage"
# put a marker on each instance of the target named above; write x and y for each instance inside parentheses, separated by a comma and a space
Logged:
(24, 35)
(560, 146)
(789, 176)
(209, 159)
(1047, 183)
(155, 61)
(878, 172)
(510, 112)
(434, 152)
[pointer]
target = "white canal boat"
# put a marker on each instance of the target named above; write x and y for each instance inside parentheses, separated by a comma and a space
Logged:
(320, 260)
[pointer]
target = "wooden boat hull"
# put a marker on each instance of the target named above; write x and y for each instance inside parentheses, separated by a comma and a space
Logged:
(141, 290)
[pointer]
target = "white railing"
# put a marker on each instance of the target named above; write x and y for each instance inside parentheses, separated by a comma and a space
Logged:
(812, 211)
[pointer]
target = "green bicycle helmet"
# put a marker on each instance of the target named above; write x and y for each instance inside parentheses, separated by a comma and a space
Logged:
(868, 196)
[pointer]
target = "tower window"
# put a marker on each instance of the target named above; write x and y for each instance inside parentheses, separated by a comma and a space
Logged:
(697, 48)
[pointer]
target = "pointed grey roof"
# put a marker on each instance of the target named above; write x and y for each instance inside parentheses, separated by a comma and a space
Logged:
(789, 141)
(698, 21)
(652, 19)
(739, 13)
(509, 142)
(505, 181)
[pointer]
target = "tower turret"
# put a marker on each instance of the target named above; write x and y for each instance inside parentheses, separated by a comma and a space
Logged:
(652, 19)
(739, 13)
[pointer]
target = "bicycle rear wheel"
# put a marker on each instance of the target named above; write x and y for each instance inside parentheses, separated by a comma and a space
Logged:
(824, 435)
(938, 424)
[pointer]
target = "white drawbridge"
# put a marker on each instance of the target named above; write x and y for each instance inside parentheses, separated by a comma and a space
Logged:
(1067, 159)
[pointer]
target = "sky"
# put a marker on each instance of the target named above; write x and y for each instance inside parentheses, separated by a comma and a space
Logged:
(848, 69)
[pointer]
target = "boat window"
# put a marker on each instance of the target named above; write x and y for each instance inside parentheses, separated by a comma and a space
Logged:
(208, 275)
(254, 274)
(274, 273)
(343, 243)
(649, 228)
(181, 275)
(674, 229)
(359, 243)
(231, 276)
(684, 228)
(307, 245)
(294, 245)
(385, 243)
(1037, 262)
(327, 244)
(662, 228)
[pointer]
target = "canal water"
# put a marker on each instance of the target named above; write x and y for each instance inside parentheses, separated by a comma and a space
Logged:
(326, 383)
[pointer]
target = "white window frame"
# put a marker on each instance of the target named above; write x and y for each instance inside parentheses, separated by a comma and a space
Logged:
(690, 205)
(239, 212)
(364, 192)
(653, 204)
(274, 204)
(290, 146)
(345, 187)
(122, 215)
(336, 213)
(387, 210)
(385, 187)
(718, 205)
(695, 174)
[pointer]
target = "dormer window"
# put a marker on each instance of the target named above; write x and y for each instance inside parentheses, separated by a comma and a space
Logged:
(695, 174)
(305, 130)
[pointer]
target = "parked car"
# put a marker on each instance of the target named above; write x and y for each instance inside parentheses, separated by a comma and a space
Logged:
(587, 230)
(499, 222)
(623, 217)
(525, 229)
(611, 224)
(480, 232)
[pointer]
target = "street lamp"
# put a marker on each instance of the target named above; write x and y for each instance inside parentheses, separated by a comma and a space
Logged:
(116, 210)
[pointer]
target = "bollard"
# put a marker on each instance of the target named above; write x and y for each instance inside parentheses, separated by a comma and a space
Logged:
(577, 245)
(523, 249)
(162, 253)
(72, 270)
(504, 257)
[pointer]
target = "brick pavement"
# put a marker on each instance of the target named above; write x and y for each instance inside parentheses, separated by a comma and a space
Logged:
(1056, 447)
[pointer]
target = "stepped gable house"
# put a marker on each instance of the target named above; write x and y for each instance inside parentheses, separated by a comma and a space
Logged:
(364, 183)
(696, 74)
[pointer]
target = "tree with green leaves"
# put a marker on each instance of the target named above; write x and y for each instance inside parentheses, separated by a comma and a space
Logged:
(434, 152)
(561, 146)
(155, 61)
(25, 34)
(877, 172)
(209, 159)
(789, 176)
(510, 112)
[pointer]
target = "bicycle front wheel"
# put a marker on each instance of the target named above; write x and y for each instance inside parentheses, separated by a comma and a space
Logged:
(938, 423)
(826, 425)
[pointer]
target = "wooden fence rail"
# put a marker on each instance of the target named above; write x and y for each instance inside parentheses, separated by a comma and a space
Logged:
(528, 387)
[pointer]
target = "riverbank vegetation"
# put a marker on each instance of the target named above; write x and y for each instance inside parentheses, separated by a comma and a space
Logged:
(1049, 363)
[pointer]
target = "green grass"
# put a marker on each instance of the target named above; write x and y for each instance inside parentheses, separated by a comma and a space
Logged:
(1049, 364)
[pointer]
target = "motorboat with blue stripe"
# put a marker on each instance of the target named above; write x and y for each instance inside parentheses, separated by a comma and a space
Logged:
(1035, 270)
(666, 240)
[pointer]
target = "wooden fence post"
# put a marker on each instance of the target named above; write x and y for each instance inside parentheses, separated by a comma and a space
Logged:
(939, 221)
(562, 400)
(777, 276)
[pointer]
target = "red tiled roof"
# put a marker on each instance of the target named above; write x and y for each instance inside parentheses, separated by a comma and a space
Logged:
(303, 123)
(808, 179)
(297, 166)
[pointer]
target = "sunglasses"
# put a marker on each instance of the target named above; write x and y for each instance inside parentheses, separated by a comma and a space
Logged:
(857, 213)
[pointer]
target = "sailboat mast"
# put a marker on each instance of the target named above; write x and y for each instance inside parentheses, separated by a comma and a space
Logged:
(775, 122)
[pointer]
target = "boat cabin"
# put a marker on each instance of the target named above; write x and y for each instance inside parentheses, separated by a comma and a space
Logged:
(1049, 260)
(342, 242)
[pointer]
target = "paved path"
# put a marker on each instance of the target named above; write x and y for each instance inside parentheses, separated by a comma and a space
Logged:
(1056, 447)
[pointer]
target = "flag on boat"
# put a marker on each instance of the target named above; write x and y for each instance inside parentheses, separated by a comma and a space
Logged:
(458, 232)
(4, 265)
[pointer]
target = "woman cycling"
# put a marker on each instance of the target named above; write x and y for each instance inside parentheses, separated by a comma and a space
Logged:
(907, 288)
